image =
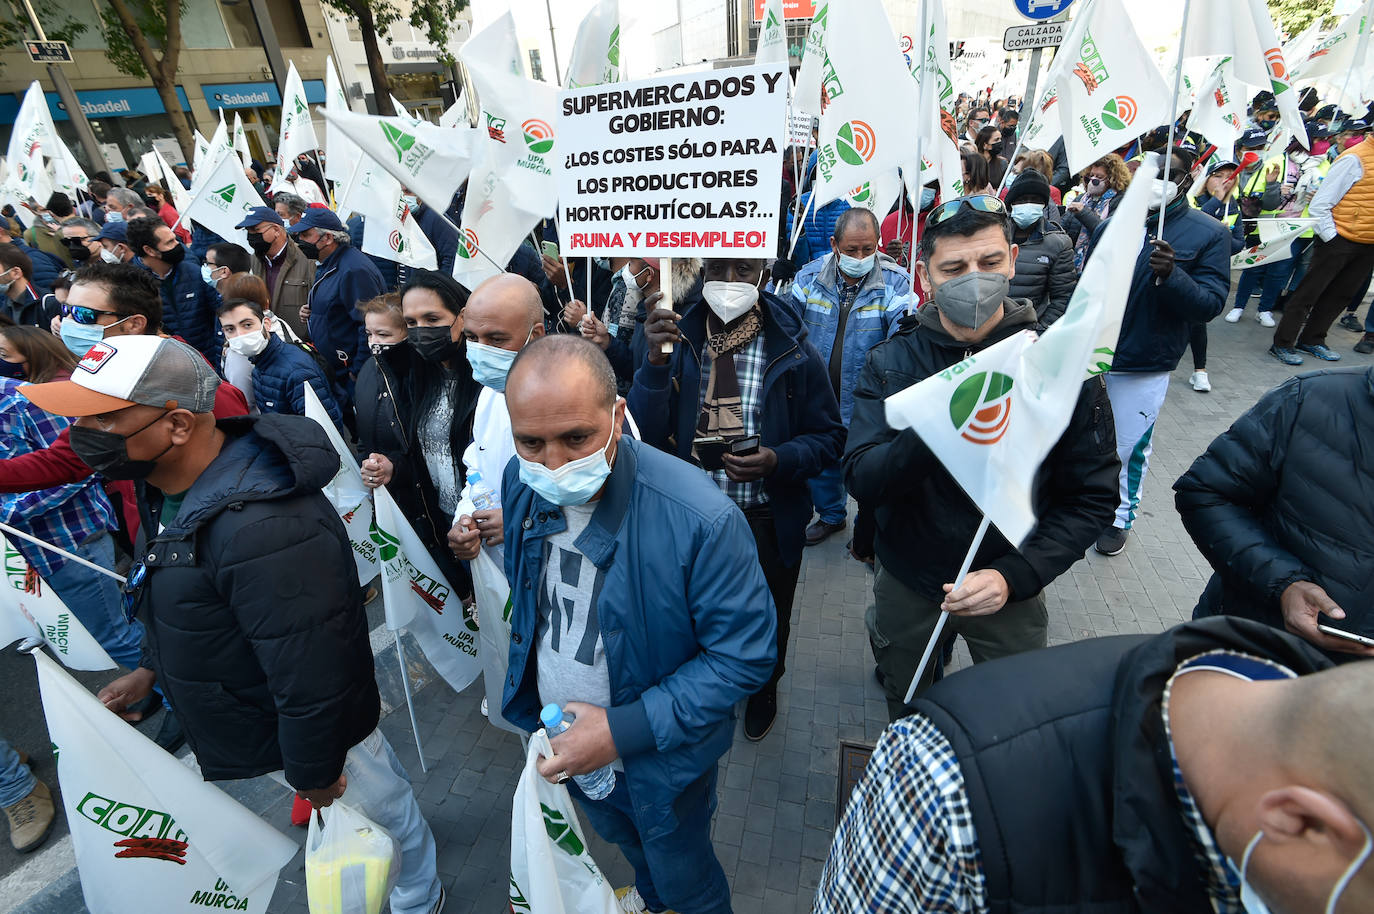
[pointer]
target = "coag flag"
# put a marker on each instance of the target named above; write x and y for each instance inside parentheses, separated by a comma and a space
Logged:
(596, 53)
(148, 833)
(993, 418)
(420, 599)
(868, 97)
(29, 607)
(297, 134)
(221, 196)
(806, 96)
(347, 493)
(1109, 91)
(1276, 242)
(772, 44)
(1219, 112)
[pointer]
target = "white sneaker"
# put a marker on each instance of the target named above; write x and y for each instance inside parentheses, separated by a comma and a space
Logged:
(1265, 318)
(632, 903)
(1234, 315)
(1200, 382)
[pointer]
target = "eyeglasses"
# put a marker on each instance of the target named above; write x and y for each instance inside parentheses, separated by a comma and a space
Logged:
(83, 315)
(983, 203)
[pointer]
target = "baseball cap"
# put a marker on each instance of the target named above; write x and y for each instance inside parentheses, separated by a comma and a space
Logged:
(1218, 165)
(114, 231)
(317, 218)
(1316, 131)
(1253, 137)
(128, 371)
(259, 214)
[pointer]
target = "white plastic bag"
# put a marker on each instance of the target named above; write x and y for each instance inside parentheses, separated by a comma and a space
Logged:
(351, 863)
(551, 870)
(493, 613)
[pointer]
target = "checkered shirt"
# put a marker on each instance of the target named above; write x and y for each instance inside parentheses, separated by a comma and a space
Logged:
(64, 515)
(906, 842)
(750, 364)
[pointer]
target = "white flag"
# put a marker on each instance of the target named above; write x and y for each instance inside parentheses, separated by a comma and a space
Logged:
(241, 142)
(456, 115)
(867, 127)
(432, 161)
(596, 53)
(297, 133)
(395, 236)
(1111, 91)
(1344, 53)
(1219, 111)
(347, 493)
(29, 606)
(148, 833)
(772, 46)
(181, 197)
(340, 152)
(806, 96)
(201, 153)
(221, 196)
(933, 74)
(1276, 242)
(420, 599)
(219, 140)
(151, 168)
(33, 136)
(877, 195)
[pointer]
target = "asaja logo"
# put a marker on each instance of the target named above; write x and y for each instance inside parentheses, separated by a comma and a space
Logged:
(399, 140)
(981, 407)
(1119, 113)
(561, 833)
(496, 128)
(538, 135)
(226, 193)
(467, 245)
(388, 546)
(855, 142)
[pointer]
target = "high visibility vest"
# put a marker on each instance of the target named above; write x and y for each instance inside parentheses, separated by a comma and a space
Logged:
(1258, 182)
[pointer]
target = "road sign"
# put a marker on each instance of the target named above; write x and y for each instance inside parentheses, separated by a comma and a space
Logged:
(1041, 9)
(49, 51)
(1030, 37)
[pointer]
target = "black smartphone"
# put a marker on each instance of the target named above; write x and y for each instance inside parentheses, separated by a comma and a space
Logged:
(708, 452)
(745, 447)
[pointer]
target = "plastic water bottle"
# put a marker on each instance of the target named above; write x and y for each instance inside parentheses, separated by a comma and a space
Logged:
(484, 497)
(598, 784)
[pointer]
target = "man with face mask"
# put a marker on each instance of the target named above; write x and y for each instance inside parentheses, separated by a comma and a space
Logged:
(746, 397)
(81, 236)
(1103, 775)
(637, 606)
(114, 243)
(254, 622)
(344, 278)
(1045, 272)
(279, 262)
(850, 300)
(1260, 193)
(1177, 283)
(280, 369)
(925, 521)
(20, 302)
(634, 293)
(188, 304)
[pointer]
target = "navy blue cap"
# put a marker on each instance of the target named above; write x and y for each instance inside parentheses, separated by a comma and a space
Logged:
(1317, 131)
(1218, 165)
(114, 231)
(259, 214)
(1253, 137)
(317, 217)
(1358, 126)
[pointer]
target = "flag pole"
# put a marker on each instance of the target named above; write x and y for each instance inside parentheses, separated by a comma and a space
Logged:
(800, 223)
(1173, 112)
(944, 616)
(410, 703)
(62, 552)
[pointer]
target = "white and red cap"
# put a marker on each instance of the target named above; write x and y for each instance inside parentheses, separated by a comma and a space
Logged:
(128, 371)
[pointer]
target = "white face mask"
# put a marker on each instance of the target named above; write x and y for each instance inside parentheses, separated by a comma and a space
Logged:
(1254, 904)
(249, 344)
(108, 255)
(730, 300)
(632, 291)
(1162, 193)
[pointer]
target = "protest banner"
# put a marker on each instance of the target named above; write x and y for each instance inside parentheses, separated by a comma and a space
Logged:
(29, 607)
(677, 166)
(801, 129)
(148, 833)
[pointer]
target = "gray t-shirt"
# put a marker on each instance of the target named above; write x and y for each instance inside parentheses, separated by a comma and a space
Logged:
(569, 656)
(433, 432)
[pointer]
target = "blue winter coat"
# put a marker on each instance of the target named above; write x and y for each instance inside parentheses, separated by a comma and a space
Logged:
(279, 373)
(46, 268)
(345, 278)
(883, 299)
(188, 308)
(798, 416)
(686, 619)
(817, 228)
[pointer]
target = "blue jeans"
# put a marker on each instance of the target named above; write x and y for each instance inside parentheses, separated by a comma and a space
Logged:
(16, 781)
(677, 871)
(828, 494)
(95, 600)
(1270, 278)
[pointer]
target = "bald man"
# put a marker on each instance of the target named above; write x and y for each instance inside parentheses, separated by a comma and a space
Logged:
(605, 535)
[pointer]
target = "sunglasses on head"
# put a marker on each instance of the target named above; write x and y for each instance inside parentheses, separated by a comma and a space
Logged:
(983, 203)
(83, 315)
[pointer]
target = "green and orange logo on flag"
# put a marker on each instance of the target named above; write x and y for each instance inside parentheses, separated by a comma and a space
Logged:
(1119, 113)
(467, 244)
(981, 407)
(855, 142)
(538, 135)
(861, 194)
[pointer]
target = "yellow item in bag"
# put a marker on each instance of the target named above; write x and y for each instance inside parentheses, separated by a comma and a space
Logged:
(351, 863)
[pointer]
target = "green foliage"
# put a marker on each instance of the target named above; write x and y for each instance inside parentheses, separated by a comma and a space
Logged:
(1292, 16)
(58, 25)
(436, 18)
(151, 19)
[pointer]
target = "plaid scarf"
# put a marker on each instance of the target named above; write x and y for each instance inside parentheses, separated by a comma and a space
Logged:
(722, 410)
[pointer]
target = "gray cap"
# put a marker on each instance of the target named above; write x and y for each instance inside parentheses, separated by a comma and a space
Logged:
(125, 371)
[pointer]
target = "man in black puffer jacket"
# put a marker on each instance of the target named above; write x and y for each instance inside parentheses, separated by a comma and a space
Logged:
(1045, 270)
(925, 522)
(255, 628)
(1279, 506)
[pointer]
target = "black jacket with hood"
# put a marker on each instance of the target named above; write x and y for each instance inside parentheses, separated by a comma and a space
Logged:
(1045, 272)
(254, 616)
(925, 521)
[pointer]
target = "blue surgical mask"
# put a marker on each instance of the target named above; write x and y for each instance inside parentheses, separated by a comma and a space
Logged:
(854, 266)
(79, 338)
(114, 217)
(490, 364)
(1027, 214)
(575, 482)
(207, 273)
(927, 198)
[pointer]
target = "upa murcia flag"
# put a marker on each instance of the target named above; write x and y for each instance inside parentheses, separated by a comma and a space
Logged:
(419, 598)
(221, 197)
(297, 130)
(346, 492)
(596, 53)
(29, 607)
(1276, 242)
(932, 72)
(148, 833)
(1219, 111)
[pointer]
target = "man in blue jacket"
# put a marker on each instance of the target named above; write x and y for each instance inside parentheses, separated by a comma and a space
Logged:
(345, 277)
(638, 606)
(188, 304)
(762, 423)
(1177, 283)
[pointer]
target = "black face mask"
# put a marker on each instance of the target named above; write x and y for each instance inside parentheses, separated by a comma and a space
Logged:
(259, 244)
(77, 248)
(172, 257)
(11, 370)
(434, 344)
(107, 453)
(309, 248)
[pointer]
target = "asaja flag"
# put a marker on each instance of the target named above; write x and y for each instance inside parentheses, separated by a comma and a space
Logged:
(1276, 242)
(181, 197)
(1219, 112)
(772, 45)
(29, 607)
(1110, 91)
(456, 115)
(219, 140)
(148, 833)
(347, 493)
(419, 598)
(240, 143)
(201, 153)
(221, 197)
(596, 53)
(297, 134)
(868, 94)
(806, 95)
